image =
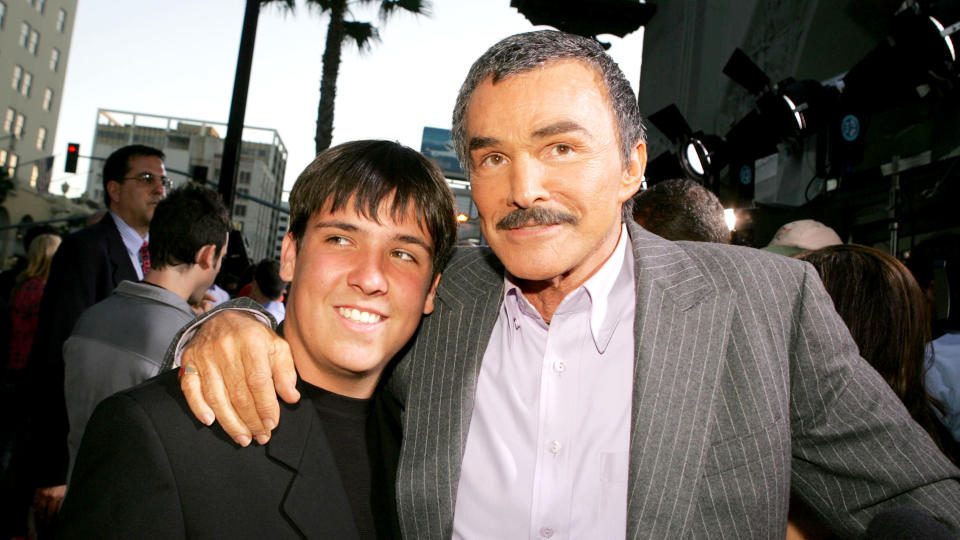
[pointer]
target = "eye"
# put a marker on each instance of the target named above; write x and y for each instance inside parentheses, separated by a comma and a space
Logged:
(338, 240)
(404, 255)
(493, 160)
(562, 149)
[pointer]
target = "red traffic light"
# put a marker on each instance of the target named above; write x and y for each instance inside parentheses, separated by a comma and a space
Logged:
(73, 152)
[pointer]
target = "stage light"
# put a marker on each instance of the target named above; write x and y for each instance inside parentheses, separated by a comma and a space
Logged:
(700, 155)
(730, 216)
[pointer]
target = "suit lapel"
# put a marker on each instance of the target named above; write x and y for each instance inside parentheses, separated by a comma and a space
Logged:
(315, 500)
(681, 326)
(121, 268)
(440, 373)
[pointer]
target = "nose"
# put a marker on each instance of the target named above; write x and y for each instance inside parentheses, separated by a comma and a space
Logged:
(527, 183)
(367, 275)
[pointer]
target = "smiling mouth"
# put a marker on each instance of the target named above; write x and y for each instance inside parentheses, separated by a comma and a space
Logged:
(356, 315)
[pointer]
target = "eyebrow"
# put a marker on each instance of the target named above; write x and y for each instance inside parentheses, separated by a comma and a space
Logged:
(349, 227)
(564, 126)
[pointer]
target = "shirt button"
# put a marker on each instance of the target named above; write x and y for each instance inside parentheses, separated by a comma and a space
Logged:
(559, 366)
(516, 324)
(555, 447)
(546, 532)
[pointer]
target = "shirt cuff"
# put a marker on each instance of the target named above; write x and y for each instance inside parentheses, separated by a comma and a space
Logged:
(188, 334)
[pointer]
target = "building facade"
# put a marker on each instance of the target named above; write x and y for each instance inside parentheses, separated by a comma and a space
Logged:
(194, 149)
(34, 48)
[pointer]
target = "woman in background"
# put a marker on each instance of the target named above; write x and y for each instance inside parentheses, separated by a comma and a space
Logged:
(888, 315)
(25, 299)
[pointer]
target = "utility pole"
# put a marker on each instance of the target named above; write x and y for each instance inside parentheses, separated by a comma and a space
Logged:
(238, 106)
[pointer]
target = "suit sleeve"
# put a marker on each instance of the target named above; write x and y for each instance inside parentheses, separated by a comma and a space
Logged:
(71, 289)
(856, 450)
(123, 485)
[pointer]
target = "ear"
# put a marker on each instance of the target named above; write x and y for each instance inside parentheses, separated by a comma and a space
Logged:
(206, 257)
(288, 257)
(113, 189)
(633, 175)
(431, 294)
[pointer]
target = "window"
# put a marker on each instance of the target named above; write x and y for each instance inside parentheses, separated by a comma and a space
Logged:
(26, 84)
(12, 165)
(243, 178)
(40, 5)
(18, 123)
(243, 191)
(34, 175)
(54, 59)
(61, 20)
(47, 99)
(8, 120)
(3, 157)
(239, 210)
(3, 13)
(33, 42)
(17, 77)
(41, 138)
(24, 34)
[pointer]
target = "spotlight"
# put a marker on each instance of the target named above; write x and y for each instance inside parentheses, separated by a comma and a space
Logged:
(701, 156)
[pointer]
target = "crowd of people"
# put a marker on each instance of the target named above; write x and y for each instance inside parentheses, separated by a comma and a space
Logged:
(608, 366)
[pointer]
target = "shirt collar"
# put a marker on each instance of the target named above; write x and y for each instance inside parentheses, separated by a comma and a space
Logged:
(604, 292)
(131, 238)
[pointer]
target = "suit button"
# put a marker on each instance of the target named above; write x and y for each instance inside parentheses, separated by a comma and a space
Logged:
(546, 532)
(555, 447)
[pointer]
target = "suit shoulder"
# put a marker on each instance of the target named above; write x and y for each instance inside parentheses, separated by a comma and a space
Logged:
(471, 268)
(713, 257)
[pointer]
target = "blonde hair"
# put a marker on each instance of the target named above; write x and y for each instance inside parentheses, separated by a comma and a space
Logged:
(40, 255)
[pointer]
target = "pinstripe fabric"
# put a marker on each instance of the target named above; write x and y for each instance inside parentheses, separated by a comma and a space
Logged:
(746, 382)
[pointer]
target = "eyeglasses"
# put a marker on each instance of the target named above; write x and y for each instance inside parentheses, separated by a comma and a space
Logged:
(150, 179)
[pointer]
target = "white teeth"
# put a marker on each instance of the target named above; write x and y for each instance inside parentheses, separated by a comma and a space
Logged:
(360, 316)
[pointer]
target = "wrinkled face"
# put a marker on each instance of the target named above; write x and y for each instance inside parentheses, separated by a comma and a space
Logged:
(358, 289)
(135, 200)
(547, 174)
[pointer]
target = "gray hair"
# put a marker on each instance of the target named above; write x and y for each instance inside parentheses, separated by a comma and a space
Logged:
(523, 52)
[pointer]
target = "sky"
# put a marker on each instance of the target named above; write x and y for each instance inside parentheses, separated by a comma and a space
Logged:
(178, 58)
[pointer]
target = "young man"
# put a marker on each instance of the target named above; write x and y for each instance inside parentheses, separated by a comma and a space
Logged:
(372, 223)
(121, 341)
(267, 288)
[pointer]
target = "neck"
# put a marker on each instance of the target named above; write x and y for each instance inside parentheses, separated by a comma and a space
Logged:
(546, 295)
(141, 229)
(176, 281)
(259, 297)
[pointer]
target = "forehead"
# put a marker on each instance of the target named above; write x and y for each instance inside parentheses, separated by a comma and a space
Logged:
(386, 219)
(568, 88)
(144, 163)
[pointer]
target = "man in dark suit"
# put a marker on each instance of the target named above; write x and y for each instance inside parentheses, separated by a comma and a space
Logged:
(371, 223)
(588, 379)
(86, 268)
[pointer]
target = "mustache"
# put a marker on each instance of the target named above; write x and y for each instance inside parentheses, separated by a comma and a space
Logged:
(536, 215)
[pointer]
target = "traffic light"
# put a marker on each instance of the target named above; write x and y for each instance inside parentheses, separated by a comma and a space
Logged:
(73, 152)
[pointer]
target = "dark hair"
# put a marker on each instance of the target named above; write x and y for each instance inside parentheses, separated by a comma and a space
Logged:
(681, 209)
(118, 164)
(371, 172)
(267, 276)
(941, 250)
(887, 314)
(189, 218)
(521, 53)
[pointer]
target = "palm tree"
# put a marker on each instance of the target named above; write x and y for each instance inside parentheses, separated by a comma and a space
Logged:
(362, 34)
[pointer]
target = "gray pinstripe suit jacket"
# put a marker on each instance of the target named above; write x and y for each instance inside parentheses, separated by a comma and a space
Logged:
(746, 384)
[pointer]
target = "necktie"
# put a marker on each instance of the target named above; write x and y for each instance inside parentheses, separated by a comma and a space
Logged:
(145, 258)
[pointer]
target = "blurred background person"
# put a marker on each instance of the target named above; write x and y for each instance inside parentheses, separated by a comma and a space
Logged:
(936, 265)
(801, 235)
(267, 288)
(681, 209)
(15, 495)
(887, 314)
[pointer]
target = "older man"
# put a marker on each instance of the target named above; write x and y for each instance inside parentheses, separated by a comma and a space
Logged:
(592, 380)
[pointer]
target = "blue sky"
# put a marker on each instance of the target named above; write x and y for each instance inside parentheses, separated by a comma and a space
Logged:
(178, 58)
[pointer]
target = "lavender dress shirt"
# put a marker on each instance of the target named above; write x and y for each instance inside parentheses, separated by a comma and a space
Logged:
(547, 450)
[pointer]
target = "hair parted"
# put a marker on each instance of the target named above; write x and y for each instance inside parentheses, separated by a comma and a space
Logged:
(371, 172)
(681, 209)
(520, 53)
(189, 218)
(39, 257)
(267, 276)
(887, 314)
(118, 164)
